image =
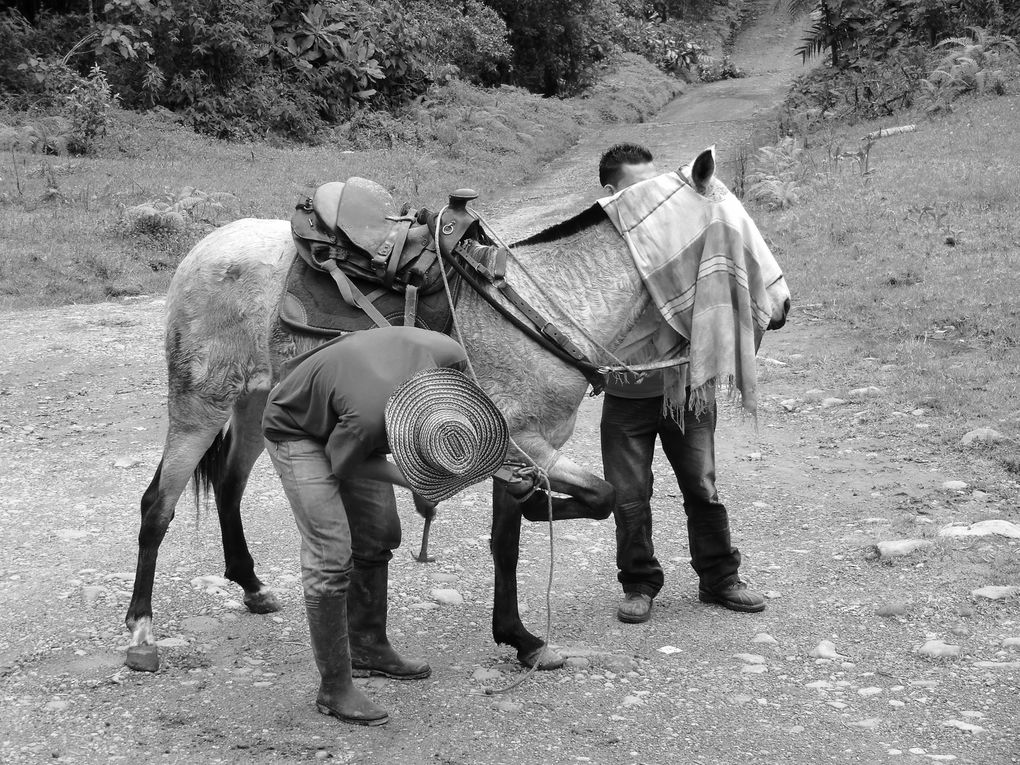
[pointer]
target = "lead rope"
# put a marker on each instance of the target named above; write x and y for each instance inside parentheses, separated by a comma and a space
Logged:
(541, 478)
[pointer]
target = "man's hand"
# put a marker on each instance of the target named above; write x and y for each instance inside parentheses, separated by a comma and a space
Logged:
(426, 509)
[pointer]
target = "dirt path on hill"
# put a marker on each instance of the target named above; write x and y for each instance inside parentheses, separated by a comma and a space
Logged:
(832, 469)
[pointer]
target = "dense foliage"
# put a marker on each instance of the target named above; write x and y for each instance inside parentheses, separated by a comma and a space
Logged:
(246, 68)
(881, 56)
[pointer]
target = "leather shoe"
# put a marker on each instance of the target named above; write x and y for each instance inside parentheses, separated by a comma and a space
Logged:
(635, 608)
(736, 597)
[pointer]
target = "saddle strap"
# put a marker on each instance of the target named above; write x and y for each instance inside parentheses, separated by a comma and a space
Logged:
(410, 305)
(388, 257)
(352, 295)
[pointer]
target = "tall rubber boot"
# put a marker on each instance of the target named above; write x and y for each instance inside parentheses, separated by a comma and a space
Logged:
(327, 625)
(371, 652)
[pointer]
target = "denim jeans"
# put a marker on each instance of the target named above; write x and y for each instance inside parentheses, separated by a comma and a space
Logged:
(342, 523)
(629, 429)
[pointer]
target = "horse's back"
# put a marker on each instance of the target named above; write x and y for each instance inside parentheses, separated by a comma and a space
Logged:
(220, 304)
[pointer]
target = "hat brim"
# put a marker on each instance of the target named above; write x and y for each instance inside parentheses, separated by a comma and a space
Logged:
(416, 426)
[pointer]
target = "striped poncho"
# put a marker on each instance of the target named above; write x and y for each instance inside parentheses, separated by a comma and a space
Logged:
(706, 267)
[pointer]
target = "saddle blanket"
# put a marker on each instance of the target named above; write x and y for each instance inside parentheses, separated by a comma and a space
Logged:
(312, 303)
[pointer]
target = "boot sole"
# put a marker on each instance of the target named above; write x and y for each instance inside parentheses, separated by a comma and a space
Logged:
(634, 618)
(323, 709)
(370, 672)
(732, 606)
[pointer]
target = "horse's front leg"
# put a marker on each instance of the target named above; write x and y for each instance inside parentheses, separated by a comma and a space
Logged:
(588, 495)
(591, 497)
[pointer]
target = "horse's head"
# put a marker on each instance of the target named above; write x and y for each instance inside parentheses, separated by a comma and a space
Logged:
(702, 175)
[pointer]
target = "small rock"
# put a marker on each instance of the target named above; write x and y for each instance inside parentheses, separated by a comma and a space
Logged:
(982, 435)
(870, 691)
(749, 658)
(669, 649)
(896, 548)
(447, 596)
(632, 701)
(995, 592)
(790, 404)
(486, 675)
(867, 392)
(938, 649)
(754, 669)
(126, 462)
(896, 703)
(837, 704)
(869, 723)
(982, 529)
(57, 705)
(764, 637)
(91, 593)
(954, 485)
(826, 649)
(509, 706)
(828, 403)
(964, 726)
(1012, 642)
(892, 609)
(142, 658)
(172, 642)
(820, 684)
(814, 395)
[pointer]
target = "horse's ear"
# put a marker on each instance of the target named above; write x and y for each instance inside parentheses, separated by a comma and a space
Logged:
(704, 169)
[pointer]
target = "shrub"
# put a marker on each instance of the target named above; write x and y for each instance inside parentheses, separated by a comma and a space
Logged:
(557, 43)
(470, 36)
(89, 104)
(978, 63)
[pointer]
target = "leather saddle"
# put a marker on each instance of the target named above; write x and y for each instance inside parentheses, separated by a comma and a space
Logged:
(352, 233)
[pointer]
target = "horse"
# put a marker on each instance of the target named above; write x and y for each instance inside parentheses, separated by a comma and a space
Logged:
(225, 345)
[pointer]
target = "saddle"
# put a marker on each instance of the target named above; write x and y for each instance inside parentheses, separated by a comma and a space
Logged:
(352, 234)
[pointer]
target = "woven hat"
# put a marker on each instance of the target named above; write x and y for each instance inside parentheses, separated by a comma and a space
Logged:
(444, 433)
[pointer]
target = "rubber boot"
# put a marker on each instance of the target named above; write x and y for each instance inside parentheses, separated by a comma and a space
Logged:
(371, 652)
(327, 625)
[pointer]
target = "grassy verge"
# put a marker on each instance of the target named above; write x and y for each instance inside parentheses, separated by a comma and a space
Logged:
(67, 238)
(920, 258)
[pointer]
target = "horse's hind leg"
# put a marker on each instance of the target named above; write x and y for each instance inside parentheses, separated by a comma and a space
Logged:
(181, 454)
(245, 446)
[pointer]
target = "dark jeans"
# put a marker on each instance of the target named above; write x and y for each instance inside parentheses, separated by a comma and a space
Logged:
(342, 523)
(629, 428)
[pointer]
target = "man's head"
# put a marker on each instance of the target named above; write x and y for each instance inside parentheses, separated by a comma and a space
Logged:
(623, 165)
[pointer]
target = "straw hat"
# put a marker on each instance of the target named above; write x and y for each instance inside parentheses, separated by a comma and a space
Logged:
(445, 433)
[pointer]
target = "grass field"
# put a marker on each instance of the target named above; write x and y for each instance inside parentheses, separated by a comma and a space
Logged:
(66, 237)
(920, 257)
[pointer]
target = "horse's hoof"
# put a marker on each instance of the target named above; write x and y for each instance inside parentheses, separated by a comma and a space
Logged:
(424, 558)
(142, 658)
(542, 658)
(262, 602)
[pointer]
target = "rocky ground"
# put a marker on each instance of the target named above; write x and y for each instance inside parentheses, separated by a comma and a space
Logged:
(867, 653)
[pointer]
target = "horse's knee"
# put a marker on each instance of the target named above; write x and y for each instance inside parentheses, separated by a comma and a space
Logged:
(603, 506)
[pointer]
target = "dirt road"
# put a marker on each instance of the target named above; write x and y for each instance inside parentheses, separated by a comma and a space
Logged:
(82, 395)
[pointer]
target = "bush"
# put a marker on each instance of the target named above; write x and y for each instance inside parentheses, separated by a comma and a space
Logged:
(557, 43)
(980, 63)
(89, 104)
(470, 36)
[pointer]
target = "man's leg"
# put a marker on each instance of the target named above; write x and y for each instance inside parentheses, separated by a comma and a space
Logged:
(713, 556)
(375, 533)
(628, 431)
(314, 495)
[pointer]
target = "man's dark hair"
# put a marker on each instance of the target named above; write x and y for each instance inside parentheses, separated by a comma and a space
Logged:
(619, 155)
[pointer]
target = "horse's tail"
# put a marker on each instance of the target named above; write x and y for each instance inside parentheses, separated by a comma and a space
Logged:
(210, 469)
